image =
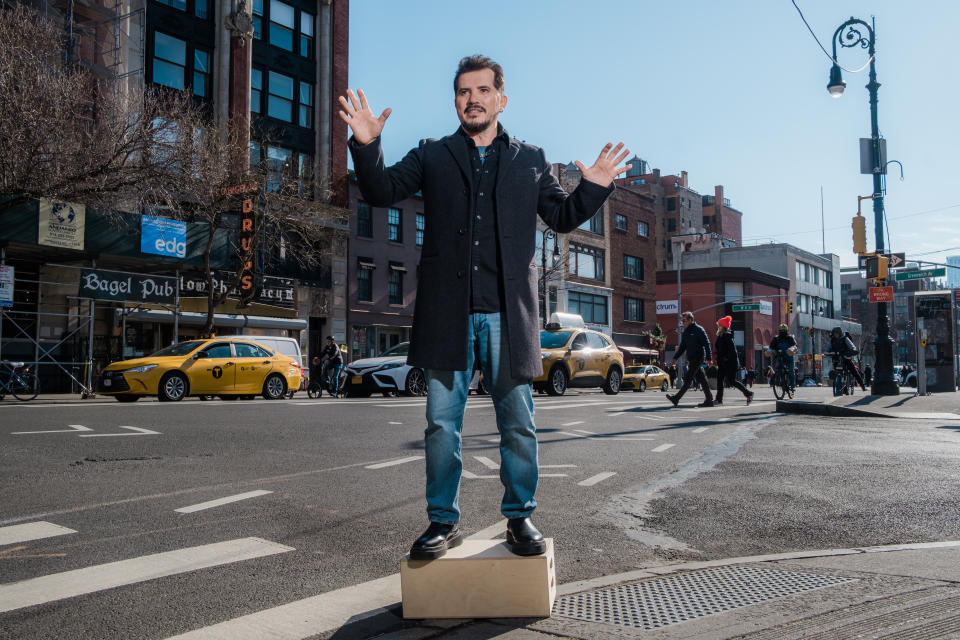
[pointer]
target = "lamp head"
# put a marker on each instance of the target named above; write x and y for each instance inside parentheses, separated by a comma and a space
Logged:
(836, 84)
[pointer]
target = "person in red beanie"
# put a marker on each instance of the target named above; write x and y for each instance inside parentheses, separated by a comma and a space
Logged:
(728, 362)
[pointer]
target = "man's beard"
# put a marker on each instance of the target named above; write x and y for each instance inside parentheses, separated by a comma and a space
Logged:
(477, 126)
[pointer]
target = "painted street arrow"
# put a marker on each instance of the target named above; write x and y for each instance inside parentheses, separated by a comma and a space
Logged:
(73, 429)
(141, 432)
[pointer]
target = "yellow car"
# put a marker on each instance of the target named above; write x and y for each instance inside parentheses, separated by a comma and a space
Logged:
(218, 366)
(578, 357)
(645, 377)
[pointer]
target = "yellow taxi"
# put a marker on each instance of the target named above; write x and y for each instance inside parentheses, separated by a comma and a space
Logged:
(575, 356)
(217, 366)
(645, 376)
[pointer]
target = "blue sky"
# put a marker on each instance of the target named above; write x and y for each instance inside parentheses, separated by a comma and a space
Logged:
(732, 92)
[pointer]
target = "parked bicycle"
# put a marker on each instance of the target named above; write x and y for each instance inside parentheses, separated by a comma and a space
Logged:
(780, 377)
(17, 379)
(844, 381)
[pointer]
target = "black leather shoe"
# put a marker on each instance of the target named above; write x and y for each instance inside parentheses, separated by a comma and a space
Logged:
(706, 403)
(523, 538)
(673, 399)
(435, 541)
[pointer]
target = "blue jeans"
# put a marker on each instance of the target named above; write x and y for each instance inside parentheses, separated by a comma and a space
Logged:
(788, 365)
(334, 371)
(513, 402)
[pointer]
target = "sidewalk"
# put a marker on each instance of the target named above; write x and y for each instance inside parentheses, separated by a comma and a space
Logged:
(900, 591)
(906, 405)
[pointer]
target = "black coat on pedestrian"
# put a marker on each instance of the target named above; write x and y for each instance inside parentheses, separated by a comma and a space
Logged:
(525, 188)
(695, 343)
(727, 357)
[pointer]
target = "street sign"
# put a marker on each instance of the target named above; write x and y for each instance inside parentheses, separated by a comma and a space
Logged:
(897, 260)
(746, 307)
(918, 275)
(881, 294)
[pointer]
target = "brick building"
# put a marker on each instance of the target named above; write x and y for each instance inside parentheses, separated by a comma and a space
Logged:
(720, 218)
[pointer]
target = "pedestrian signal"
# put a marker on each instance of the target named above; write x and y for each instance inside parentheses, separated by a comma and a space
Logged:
(877, 267)
(859, 234)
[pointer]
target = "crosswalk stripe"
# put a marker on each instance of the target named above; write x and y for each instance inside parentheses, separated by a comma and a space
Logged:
(31, 531)
(487, 462)
(662, 448)
(308, 617)
(393, 463)
(600, 477)
(28, 593)
(221, 501)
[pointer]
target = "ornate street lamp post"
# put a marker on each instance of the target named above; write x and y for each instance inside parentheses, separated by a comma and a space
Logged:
(547, 236)
(849, 34)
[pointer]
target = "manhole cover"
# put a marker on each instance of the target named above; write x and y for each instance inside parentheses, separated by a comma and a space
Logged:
(664, 601)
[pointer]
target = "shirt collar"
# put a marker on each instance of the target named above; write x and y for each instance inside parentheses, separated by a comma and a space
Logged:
(502, 135)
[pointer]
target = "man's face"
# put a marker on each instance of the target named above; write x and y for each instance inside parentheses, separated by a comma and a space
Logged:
(477, 100)
(686, 322)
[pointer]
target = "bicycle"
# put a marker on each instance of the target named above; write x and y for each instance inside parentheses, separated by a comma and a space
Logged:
(780, 380)
(18, 381)
(843, 382)
(316, 387)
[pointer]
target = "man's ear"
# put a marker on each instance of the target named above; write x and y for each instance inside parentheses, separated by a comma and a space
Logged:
(503, 102)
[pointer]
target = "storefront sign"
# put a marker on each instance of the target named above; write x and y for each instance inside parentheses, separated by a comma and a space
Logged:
(280, 292)
(129, 287)
(666, 307)
(61, 224)
(6, 285)
(248, 232)
(163, 236)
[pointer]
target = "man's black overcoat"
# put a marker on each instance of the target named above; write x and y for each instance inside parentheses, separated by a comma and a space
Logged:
(439, 169)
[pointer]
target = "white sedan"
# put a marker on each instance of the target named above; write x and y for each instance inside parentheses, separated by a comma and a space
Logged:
(390, 374)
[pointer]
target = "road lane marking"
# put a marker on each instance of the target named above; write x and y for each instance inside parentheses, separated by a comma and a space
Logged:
(558, 466)
(220, 501)
(57, 586)
(600, 477)
(662, 448)
(602, 436)
(553, 475)
(497, 440)
(74, 428)
(394, 423)
(487, 462)
(140, 432)
(393, 463)
(31, 531)
(699, 429)
(650, 417)
(616, 415)
(571, 424)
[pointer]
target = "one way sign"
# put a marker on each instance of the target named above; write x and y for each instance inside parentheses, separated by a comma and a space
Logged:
(897, 260)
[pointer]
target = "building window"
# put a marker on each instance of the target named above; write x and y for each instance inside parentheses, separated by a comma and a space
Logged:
(280, 97)
(258, 19)
(671, 225)
(306, 34)
(590, 307)
(201, 73)
(254, 156)
(632, 267)
(633, 310)
(256, 89)
(364, 220)
(364, 281)
(394, 225)
(395, 283)
(278, 167)
(621, 222)
(176, 4)
(586, 262)
(169, 60)
(594, 224)
(671, 204)
(643, 229)
(421, 223)
(200, 9)
(306, 105)
(282, 24)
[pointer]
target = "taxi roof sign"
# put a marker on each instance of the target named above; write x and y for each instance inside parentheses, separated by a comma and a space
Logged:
(561, 320)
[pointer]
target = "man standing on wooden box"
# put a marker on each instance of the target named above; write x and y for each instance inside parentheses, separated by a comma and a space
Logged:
(477, 282)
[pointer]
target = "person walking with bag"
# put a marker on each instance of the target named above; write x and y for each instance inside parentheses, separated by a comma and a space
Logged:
(695, 343)
(728, 362)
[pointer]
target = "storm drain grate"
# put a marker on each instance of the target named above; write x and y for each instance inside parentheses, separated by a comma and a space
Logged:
(664, 601)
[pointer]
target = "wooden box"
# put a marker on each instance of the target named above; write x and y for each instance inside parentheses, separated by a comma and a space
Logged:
(479, 579)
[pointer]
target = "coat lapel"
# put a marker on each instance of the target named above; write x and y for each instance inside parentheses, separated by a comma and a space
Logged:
(506, 159)
(458, 149)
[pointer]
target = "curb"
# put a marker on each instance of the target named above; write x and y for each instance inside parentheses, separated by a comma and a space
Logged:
(833, 411)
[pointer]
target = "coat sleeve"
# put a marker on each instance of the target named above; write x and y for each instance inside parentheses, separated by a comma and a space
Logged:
(382, 186)
(683, 345)
(565, 212)
(705, 341)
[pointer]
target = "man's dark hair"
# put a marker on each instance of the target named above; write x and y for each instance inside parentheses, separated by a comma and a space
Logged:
(476, 63)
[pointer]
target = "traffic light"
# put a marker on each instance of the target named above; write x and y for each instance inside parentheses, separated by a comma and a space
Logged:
(859, 234)
(789, 307)
(877, 267)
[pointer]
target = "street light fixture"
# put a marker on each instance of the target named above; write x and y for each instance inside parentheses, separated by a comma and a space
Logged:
(850, 34)
(547, 236)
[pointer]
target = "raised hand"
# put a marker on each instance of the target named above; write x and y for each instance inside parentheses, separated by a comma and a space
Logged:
(359, 117)
(604, 170)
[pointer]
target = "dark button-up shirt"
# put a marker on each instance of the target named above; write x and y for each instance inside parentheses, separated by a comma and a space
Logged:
(486, 278)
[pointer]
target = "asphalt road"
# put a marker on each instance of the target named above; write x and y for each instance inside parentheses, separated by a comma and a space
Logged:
(332, 496)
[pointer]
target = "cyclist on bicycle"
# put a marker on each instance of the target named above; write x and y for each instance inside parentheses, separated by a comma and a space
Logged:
(332, 360)
(785, 345)
(843, 346)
